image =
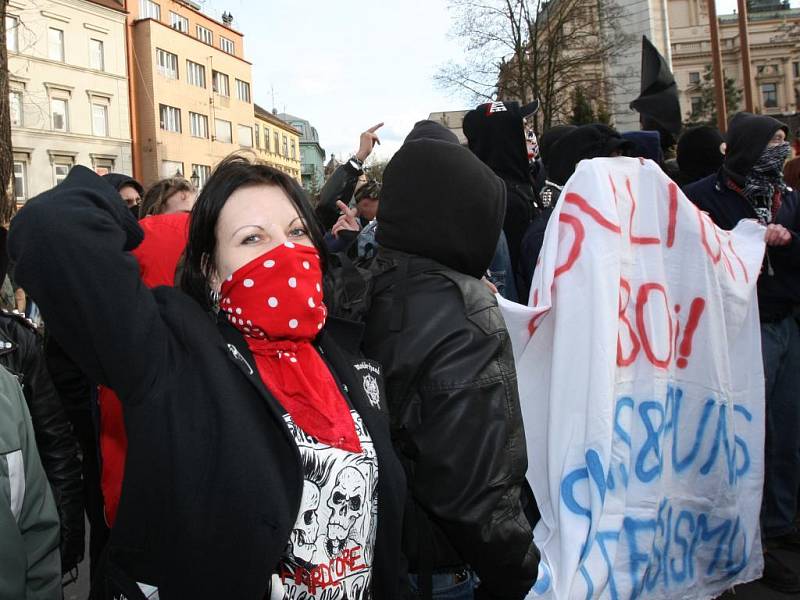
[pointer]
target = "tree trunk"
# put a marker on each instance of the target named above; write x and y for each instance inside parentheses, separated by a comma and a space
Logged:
(7, 204)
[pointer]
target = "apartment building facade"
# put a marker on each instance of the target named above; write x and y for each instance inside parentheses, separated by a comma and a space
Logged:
(191, 89)
(68, 89)
(277, 143)
(774, 31)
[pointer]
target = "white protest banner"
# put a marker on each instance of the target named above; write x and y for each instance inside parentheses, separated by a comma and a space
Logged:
(642, 390)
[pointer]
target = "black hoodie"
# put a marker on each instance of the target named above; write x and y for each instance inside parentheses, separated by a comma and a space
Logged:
(496, 135)
(747, 138)
(440, 202)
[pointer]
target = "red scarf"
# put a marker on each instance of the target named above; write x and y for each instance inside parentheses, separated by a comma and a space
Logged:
(275, 300)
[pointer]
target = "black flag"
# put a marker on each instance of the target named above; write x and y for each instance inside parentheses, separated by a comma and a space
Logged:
(658, 102)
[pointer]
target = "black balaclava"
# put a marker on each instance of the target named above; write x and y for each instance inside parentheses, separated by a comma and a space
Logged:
(441, 202)
(646, 144)
(549, 138)
(119, 181)
(746, 140)
(496, 134)
(586, 141)
(699, 154)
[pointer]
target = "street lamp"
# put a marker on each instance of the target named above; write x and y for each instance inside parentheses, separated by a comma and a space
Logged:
(195, 178)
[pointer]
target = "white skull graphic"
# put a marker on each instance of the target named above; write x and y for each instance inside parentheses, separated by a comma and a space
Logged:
(304, 536)
(347, 504)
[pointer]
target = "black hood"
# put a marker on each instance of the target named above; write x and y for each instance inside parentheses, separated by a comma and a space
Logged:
(747, 138)
(496, 135)
(440, 202)
(119, 181)
(658, 102)
(698, 153)
(549, 138)
(586, 141)
(431, 130)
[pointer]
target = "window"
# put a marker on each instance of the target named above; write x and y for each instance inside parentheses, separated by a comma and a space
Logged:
(198, 125)
(58, 114)
(12, 34)
(171, 168)
(167, 63)
(769, 93)
(226, 45)
(103, 166)
(221, 83)
(299, 127)
(222, 130)
(20, 181)
(285, 146)
(60, 170)
(694, 77)
(149, 10)
(196, 74)
(697, 105)
(178, 22)
(170, 118)
(15, 108)
(245, 135)
(100, 120)
(96, 55)
(243, 90)
(256, 135)
(275, 143)
(203, 172)
(204, 35)
(796, 69)
(266, 139)
(293, 150)
(55, 48)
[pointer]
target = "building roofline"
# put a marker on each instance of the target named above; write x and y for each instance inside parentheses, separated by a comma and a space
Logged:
(239, 58)
(110, 5)
(261, 113)
(210, 18)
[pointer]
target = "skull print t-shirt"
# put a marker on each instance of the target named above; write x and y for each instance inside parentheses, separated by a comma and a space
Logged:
(330, 549)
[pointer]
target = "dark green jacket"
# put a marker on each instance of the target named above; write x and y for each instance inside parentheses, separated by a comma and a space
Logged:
(30, 564)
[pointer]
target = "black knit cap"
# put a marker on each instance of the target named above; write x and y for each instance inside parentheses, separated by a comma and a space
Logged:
(550, 137)
(586, 141)
(441, 202)
(747, 138)
(120, 180)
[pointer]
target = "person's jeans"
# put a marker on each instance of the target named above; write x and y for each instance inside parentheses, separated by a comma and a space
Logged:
(780, 346)
(501, 272)
(449, 586)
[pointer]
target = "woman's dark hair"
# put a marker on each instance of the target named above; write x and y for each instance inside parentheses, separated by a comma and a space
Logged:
(232, 173)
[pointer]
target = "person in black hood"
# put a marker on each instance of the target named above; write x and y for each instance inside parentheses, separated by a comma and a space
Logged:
(699, 153)
(496, 134)
(750, 186)
(451, 380)
(562, 154)
(130, 190)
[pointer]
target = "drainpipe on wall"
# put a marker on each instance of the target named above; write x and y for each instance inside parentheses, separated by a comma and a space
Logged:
(135, 167)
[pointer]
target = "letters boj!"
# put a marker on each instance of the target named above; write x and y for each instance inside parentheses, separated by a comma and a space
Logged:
(634, 336)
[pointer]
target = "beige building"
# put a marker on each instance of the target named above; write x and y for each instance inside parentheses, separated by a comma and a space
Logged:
(191, 89)
(68, 90)
(277, 143)
(774, 53)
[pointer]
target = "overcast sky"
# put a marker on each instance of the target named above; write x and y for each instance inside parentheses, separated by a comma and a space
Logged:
(349, 64)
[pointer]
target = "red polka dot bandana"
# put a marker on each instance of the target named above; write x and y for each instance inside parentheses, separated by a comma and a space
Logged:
(275, 300)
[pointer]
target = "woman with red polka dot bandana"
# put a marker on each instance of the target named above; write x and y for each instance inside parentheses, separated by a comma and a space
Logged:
(259, 462)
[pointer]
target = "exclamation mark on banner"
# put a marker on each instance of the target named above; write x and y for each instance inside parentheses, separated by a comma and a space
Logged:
(685, 349)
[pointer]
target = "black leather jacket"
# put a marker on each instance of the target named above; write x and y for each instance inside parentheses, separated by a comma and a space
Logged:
(21, 353)
(340, 186)
(456, 424)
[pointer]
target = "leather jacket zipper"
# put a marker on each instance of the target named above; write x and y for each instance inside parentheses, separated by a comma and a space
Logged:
(238, 356)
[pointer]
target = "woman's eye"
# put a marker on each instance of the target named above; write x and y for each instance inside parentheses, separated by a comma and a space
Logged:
(251, 239)
(298, 232)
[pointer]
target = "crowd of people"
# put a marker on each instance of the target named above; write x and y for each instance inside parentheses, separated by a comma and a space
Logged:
(255, 394)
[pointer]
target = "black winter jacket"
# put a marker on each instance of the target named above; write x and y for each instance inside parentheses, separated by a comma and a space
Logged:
(340, 186)
(778, 288)
(213, 480)
(22, 354)
(457, 425)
